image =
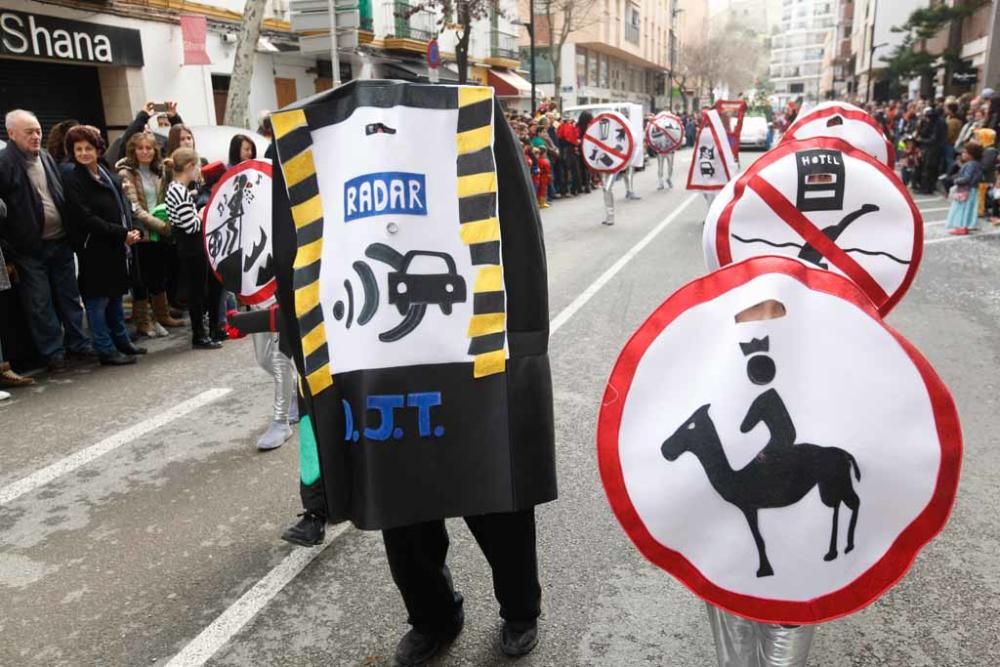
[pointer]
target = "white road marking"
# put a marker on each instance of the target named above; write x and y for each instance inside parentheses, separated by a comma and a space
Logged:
(231, 621)
(587, 294)
(935, 210)
(963, 237)
(84, 456)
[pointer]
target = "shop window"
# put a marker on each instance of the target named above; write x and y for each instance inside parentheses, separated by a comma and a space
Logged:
(581, 68)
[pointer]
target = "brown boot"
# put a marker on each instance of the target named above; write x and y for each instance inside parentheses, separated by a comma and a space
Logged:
(161, 310)
(8, 378)
(141, 318)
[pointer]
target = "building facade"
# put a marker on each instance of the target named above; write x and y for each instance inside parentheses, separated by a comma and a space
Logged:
(622, 53)
(798, 49)
(100, 61)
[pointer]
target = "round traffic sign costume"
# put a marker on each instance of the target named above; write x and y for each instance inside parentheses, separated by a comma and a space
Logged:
(665, 133)
(770, 442)
(608, 143)
(238, 236)
(828, 204)
(841, 120)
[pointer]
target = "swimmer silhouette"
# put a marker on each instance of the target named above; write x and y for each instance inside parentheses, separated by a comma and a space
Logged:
(832, 232)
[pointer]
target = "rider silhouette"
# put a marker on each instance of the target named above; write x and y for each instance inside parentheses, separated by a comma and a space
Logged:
(768, 407)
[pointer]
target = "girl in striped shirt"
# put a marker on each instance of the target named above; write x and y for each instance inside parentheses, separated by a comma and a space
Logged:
(183, 168)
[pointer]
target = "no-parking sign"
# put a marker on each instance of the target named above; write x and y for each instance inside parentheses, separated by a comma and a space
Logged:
(766, 439)
(828, 204)
(238, 231)
(844, 121)
(665, 133)
(608, 143)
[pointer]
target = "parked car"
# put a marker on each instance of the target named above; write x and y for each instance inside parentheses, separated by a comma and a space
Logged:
(756, 133)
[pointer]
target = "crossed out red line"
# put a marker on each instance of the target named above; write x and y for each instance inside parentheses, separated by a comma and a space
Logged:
(817, 239)
(604, 147)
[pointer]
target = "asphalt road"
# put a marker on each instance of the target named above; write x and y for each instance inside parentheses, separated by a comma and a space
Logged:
(146, 533)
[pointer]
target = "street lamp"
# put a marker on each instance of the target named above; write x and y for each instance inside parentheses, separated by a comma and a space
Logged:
(871, 61)
(672, 45)
(530, 25)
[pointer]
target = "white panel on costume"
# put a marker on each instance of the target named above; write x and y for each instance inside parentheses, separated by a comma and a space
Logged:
(665, 132)
(846, 383)
(610, 143)
(884, 242)
(422, 152)
(847, 122)
(712, 164)
(238, 230)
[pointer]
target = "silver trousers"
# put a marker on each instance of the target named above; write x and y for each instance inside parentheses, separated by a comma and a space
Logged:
(662, 158)
(743, 643)
(281, 370)
(630, 180)
(608, 184)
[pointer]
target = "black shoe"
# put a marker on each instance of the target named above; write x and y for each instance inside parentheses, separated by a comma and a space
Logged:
(206, 344)
(219, 336)
(416, 648)
(87, 356)
(308, 532)
(57, 366)
(116, 359)
(131, 349)
(515, 641)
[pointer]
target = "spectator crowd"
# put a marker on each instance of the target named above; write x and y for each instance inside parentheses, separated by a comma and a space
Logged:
(83, 224)
(551, 144)
(101, 245)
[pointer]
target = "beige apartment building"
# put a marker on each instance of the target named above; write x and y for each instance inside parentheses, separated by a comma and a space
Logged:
(621, 53)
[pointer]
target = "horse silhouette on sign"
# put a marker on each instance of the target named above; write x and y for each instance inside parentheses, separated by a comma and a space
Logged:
(778, 480)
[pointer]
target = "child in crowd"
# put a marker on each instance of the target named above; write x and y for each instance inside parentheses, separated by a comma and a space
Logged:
(544, 177)
(964, 193)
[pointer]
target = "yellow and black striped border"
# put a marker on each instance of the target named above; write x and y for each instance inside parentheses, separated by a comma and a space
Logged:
(293, 141)
(480, 228)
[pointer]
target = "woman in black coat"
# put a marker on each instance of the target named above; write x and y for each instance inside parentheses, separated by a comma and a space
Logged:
(101, 225)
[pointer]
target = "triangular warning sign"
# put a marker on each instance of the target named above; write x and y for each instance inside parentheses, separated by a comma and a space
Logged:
(713, 164)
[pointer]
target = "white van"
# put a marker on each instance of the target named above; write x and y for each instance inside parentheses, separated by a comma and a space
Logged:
(632, 111)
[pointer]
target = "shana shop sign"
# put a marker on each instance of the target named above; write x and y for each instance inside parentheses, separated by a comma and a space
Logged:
(51, 38)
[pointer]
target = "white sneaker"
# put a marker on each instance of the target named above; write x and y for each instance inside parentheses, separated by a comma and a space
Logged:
(4, 396)
(274, 436)
(160, 330)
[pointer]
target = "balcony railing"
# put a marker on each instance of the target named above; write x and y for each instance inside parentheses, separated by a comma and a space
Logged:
(421, 25)
(504, 45)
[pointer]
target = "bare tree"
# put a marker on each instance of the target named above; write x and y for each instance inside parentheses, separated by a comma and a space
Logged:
(723, 59)
(238, 98)
(457, 15)
(561, 18)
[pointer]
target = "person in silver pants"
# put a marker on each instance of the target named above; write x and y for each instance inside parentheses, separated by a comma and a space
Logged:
(282, 371)
(740, 642)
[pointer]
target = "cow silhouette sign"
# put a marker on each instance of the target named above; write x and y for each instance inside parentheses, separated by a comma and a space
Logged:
(769, 442)
(237, 231)
(828, 204)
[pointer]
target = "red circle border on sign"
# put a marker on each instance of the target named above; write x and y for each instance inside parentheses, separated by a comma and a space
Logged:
(723, 252)
(267, 291)
(673, 148)
(897, 560)
(628, 134)
(851, 114)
